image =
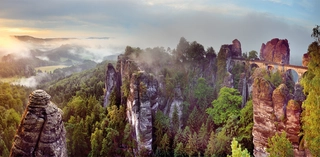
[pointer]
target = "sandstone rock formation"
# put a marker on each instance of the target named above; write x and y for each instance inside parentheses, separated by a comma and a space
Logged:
(276, 50)
(143, 96)
(263, 119)
(236, 48)
(41, 132)
(232, 50)
(273, 112)
(112, 83)
(228, 80)
(141, 99)
(243, 88)
(298, 93)
(305, 59)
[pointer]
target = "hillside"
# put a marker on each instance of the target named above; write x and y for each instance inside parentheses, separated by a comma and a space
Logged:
(188, 101)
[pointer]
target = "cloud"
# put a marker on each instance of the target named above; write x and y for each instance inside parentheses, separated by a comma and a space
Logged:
(32, 81)
(153, 23)
(10, 45)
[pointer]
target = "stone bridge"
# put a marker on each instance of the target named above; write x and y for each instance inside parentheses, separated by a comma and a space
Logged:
(272, 65)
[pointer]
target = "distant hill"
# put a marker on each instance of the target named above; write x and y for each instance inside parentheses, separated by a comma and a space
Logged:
(27, 38)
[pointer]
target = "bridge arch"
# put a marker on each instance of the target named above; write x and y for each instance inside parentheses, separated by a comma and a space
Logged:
(294, 73)
(254, 65)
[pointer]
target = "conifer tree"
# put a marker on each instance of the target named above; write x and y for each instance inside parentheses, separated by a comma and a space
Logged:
(210, 148)
(311, 106)
(237, 151)
(280, 146)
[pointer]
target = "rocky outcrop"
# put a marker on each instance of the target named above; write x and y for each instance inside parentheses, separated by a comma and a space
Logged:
(273, 112)
(112, 84)
(143, 96)
(298, 93)
(263, 118)
(243, 89)
(293, 122)
(236, 48)
(41, 132)
(232, 50)
(228, 80)
(305, 59)
(276, 50)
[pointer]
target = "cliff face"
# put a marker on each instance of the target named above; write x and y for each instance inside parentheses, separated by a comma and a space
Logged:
(273, 112)
(112, 83)
(142, 98)
(41, 131)
(276, 50)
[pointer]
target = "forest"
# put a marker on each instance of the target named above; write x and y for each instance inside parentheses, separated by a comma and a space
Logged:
(214, 121)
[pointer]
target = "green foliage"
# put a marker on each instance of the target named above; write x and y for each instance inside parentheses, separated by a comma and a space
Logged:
(222, 142)
(311, 111)
(175, 121)
(195, 120)
(236, 71)
(12, 103)
(245, 126)
(211, 145)
(11, 67)
(275, 78)
(237, 151)
(253, 54)
(164, 146)
(211, 54)
(181, 51)
(203, 93)
(227, 104)
(161, 125)
(179, 150)
(195, 52)
(203, 138)
(280, 146)
(192, 145)
(85, 84)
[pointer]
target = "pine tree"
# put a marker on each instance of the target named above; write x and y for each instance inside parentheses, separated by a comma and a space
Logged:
(210, 148)
(179, 150)
(192, 145)
(203, 139)
(280, 146)
(237, 151)
(175, 122)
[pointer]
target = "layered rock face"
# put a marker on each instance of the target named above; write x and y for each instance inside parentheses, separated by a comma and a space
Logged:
(41, 132)
(273, 112)
(276, 50)
(142, 98)
(112, 83)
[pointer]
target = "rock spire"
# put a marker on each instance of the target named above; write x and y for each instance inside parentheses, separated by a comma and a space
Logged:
(41, 132)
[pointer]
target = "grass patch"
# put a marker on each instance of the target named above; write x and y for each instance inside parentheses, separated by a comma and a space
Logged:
(50, 68)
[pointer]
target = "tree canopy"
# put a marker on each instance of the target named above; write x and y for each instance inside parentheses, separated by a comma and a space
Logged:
(311, 111)
(227, 104)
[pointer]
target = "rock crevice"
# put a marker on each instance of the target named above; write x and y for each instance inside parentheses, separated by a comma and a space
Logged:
(41, 131)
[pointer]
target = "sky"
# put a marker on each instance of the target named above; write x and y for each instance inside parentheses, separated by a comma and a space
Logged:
(150, 23)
